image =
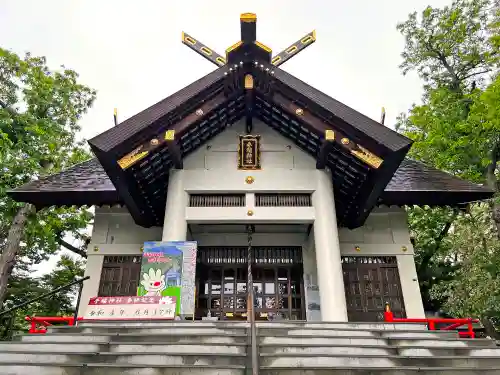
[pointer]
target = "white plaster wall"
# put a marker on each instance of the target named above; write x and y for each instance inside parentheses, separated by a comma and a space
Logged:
(385, 233)
(276, 151)
(114, 233)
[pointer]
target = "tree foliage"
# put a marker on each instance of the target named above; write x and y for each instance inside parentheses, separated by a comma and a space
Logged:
(456, 128)
(451, 46)
(39, 113)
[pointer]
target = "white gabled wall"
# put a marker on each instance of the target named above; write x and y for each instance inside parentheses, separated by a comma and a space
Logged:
(114, 233)
(221, 152)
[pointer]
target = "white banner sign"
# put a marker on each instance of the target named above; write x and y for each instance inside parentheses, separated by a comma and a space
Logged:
(131, 308)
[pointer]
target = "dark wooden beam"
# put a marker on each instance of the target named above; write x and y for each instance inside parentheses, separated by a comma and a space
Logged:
(325, 148)
(294, 49)
(249, 102)
(176, 131)
(203, 50)
(320, 127)
(174, 149)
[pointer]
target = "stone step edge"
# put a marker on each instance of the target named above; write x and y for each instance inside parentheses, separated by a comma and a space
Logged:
(65, 343)
(298, 345)
(244, 355)
(114, 334)
(346, 355)
(381, 369)
(292, 335)
(265, 327)
(194, 334)
(114, 365)
(110, 354)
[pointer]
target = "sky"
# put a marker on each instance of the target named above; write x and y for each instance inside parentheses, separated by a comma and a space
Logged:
(131, 51)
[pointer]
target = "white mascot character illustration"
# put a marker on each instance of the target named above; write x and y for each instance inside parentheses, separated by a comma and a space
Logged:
(154, 282)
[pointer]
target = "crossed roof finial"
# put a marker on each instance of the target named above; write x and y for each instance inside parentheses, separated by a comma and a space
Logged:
(248, 47)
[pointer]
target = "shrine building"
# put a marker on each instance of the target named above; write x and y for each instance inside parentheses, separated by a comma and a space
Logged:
(250, 156)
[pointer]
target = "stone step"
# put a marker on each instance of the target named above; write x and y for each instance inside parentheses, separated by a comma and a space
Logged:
(162, 323)
(198, 337)
(320, 339)
(339, 325)
(124, 359)
(315, 340)
(431, 342)
(335, 349)
(331, 350)
(292, 360)
(279, 331)
(155, 347)
(113, 369)
(182, 330)
(368, 370)
(415, 334)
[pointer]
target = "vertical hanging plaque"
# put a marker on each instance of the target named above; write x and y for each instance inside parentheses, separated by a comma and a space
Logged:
(249, 152)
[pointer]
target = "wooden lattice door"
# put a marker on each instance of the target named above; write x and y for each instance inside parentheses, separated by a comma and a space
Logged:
(370, 282)
(120, 275)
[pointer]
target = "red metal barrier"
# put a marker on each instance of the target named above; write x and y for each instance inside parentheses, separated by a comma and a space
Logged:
(453, 324)
(45, 321)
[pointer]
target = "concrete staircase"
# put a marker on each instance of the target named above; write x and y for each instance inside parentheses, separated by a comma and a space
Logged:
(221, 348)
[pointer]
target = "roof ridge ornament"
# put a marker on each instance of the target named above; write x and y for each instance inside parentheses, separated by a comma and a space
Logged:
(248, 48)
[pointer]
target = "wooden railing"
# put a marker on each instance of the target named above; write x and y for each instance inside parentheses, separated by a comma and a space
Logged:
(39, 324)
(433, 324)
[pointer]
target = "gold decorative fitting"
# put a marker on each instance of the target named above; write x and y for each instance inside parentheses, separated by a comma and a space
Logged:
(368, 157)
(96, 248)
(357, 248)
(234, 46)
(199, 112)
(263, 46)
(248, 17)
(206, 51)
(221, 61)
(345, 141)
(329, 135)
(154, 142)
(249, 213)
(276, 60)
(142, 249)
(132, 157)
(299, 111)
(249, 81)
(291, 50)
(170, 135)
(249, 180)
(404, 248)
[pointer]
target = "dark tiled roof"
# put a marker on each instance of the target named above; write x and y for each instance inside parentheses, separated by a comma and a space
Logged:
(417, 183)
(380, 133)
(83, 184)
(413, 183)
(135, 124)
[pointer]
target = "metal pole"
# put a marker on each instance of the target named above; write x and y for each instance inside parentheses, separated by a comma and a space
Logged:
(250, 302)
(75, 317)
(2, 313)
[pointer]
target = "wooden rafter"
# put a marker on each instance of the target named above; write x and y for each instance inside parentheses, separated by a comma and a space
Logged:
(203, 50)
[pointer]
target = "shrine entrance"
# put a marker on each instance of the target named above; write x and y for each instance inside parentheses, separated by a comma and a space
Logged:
(277, 275)
(370, 282)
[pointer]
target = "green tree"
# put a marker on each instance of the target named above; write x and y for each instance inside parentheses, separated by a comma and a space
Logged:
(22, 287)
(39, 113)
(456, 129)
(452, 46)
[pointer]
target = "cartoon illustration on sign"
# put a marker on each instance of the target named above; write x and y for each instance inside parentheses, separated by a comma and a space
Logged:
(168, 270)
(153, 282)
